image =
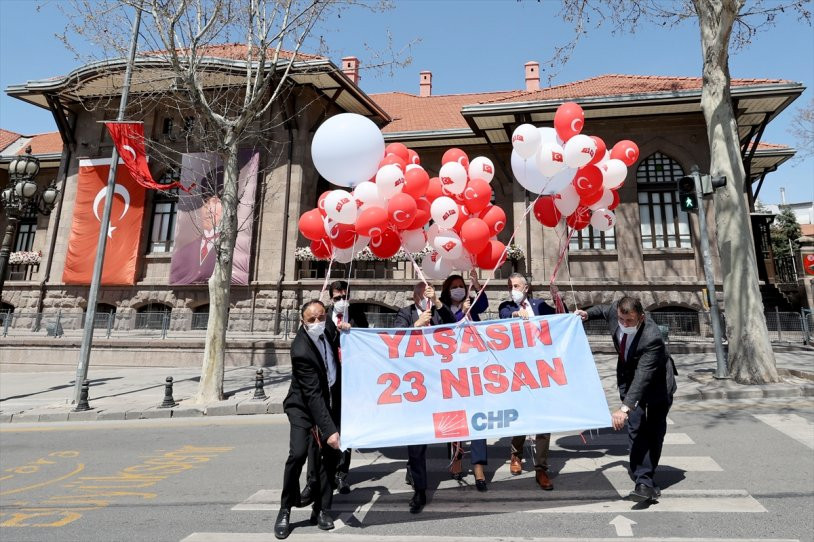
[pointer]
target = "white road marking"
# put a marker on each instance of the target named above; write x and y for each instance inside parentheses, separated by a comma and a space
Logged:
(621, 439)
(321, 537)
(623, 525)
(611, 463)
(791, 425)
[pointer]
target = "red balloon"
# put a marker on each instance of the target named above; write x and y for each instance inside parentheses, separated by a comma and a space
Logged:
(463, 214)
(399, 149)
(580, 218)
(490, 257)
(342, 235)
(402, 208)
(372, 221)
(435, 189)
(601, 149)
(412, 157)
(626, 151)
(546, 212)
(416, 182)
(456, 155)
(588, 181)
(386, 245)
(321, 202)
(477, 195)
(393, 159)
(615, 203)
(569, 120)
(311, 225)
(589, 199)
(495, 218)
(321, 249)
(475, 235)
(422, 214)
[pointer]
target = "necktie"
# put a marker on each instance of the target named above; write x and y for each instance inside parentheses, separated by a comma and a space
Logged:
(622, 346)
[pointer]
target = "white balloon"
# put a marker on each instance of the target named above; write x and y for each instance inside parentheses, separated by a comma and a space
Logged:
(579, 150)
(390, 181)
(604, 201)
(435, 267)
(549, 135)
(530, 178)
(360, 243)
(412, 166)
(340, 206)
(560, 180)
(464, 263)
(343, 255)
(482, 168)
(613, 173)
(331, 227)
(347, 149)
(453, 177)
(549, 159)
(568, 200)
(367, 195)
(414, 240)
(603, 220)
(444, 211)
(526, 140)
(432, 233)
(448, 244)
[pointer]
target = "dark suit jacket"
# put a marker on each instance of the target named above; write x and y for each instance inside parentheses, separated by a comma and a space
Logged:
(407, 316)
(186, 266)
(648, 373)
(308, 402)
(540, 307)
(356, 318)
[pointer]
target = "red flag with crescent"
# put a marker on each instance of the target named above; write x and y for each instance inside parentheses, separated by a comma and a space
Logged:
(129, 140)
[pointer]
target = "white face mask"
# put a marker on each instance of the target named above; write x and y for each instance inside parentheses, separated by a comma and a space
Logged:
(316, 329)
(341, 305)
(628, 330)
(457, 294)
(518, 296)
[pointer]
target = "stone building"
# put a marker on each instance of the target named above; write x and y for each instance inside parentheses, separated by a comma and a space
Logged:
(653, 251)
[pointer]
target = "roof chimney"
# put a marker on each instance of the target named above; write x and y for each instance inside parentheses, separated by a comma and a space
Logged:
(425, 84)
(532, 76)
(350, 67)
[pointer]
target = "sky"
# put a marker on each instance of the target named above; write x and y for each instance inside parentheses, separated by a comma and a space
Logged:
(470, 46)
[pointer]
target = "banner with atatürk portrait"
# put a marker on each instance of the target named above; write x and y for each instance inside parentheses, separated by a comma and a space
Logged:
(197, 226)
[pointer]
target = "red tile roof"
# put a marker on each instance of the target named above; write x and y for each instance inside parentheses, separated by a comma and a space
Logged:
(237, 51)
(771, 146)
(7, 138)
(442, 112)
(48, 143)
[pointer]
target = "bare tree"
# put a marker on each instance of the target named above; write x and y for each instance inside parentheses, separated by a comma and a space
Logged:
(722, 23)
(802, 128)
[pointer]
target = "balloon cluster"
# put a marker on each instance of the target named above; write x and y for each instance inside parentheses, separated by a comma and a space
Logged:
(393, 200)
(575, 174)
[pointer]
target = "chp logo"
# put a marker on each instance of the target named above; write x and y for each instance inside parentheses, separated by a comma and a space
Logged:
(450, 424)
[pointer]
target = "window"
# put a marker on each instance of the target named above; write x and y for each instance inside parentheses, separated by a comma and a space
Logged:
(153, 316)
(589, 238)
(6, 311)
(26, 231)
(162, 228)
(200, 317)
(663, 225)
(105, 314)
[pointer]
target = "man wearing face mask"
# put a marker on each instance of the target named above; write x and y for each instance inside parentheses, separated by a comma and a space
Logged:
(523, 305)
(309, 407)
(425, 310)
(645, 375)
(340, 316)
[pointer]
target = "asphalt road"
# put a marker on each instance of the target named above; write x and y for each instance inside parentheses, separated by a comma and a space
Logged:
(731, 470)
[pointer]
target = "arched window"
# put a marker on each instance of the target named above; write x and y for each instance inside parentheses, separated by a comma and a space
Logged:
(105, 313)
(663, 225)
(200, 317)
(5, 315)
(162, 220)
(153, 316)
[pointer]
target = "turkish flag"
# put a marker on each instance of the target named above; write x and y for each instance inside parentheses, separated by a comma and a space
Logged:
(123, 233)
(129, 140)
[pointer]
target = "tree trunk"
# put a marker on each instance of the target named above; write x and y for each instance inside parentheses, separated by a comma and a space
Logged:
(210, 387)
(751, 359)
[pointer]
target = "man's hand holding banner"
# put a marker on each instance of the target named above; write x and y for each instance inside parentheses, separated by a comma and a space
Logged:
(469, 380)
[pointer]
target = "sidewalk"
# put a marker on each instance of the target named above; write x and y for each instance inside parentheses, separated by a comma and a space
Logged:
(124, 394)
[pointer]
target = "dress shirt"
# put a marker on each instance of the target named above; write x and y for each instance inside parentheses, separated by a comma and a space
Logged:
(327, 358)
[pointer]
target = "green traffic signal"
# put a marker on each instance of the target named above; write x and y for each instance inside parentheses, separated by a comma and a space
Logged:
(688, 199)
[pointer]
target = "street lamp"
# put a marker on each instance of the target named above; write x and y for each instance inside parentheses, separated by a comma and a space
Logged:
(21, 197)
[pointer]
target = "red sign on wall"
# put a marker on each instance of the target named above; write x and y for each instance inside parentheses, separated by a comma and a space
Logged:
(808, 263)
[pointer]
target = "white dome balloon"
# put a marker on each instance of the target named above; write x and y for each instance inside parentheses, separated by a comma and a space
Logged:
(347, 149)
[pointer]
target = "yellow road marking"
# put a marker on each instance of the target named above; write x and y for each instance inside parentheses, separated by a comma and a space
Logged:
(79, 469)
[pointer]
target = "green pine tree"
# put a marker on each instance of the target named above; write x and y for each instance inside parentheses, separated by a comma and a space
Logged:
(784, 229)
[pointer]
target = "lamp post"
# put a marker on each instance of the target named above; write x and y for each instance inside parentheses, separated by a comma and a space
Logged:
(22, 196)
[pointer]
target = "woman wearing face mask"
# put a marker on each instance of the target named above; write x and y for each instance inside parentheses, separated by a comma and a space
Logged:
(455, 296)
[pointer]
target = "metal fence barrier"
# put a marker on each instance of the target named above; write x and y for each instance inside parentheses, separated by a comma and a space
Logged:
(679, 327)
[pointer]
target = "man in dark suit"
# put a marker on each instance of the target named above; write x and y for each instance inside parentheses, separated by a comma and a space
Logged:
(645, 375)
(340, 316)
(426, 310)
(523, 305)
(309, 407)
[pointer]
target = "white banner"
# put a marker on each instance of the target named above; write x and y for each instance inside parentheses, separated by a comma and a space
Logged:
(467, 381)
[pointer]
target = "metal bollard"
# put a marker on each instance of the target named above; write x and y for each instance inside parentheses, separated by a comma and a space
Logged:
(259, 392)
(83, 404)
(168, 401)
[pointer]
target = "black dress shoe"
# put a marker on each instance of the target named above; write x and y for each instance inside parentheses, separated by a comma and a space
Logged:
(322, 520)
(418, 501)
(642, 493)
(306, 497)
(342, 484)
(282, 527)
(480, 485)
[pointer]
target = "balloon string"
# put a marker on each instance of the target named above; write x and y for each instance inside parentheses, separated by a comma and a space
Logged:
(327, 274)
(350, 267)
(416, 267)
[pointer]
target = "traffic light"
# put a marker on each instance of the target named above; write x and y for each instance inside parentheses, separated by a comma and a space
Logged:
(709, 184)
(687, 197)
